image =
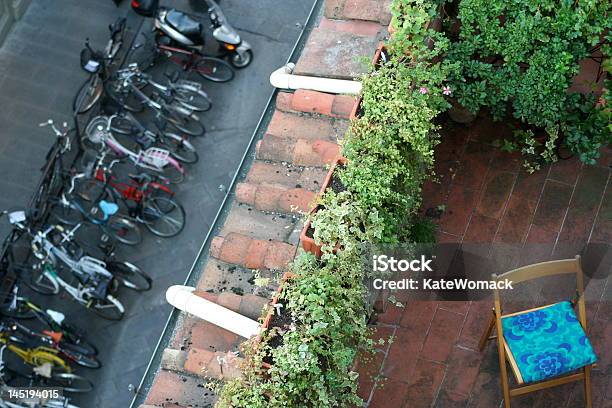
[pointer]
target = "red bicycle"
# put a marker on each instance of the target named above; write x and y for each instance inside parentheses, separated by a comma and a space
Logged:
(211, 68)
(147, 198)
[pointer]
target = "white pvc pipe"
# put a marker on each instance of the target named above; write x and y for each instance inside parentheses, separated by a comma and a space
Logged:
(182, 298)
(283, 78)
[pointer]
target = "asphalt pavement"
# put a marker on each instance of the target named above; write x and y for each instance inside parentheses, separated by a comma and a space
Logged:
(39, 74)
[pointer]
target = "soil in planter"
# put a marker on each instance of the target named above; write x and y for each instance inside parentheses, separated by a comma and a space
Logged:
(336, 184)
(310, 231)
(282, 322)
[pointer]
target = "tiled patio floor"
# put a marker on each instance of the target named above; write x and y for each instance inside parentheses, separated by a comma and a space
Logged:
(434, 359)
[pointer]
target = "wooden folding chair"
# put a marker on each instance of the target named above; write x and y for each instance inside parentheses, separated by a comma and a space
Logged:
(565, 355)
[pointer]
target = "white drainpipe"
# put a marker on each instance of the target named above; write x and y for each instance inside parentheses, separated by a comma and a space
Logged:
(283, 78)
(183, 298)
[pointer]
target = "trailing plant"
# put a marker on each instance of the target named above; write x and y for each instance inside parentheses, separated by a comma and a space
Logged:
(523, 55)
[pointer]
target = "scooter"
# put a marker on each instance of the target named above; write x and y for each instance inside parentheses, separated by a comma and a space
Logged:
(177, 28)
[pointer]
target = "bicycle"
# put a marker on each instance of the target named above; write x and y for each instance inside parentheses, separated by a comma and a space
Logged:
(187, 93)
(98, 134)
(53, 170)
(21, 308)
(55, 244)
(55, 341)
(97, 65)
(211, 68)
(96, 207)
(179, 146)
(166, 106)
(148, 201)
(47, 368)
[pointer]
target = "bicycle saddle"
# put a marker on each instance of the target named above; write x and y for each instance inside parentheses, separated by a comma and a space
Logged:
(108, 208)
(186, 25)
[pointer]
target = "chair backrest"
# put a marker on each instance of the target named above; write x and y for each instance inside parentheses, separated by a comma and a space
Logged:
(545, 269)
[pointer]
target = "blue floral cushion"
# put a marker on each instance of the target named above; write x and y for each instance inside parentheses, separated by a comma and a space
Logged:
(547, 342)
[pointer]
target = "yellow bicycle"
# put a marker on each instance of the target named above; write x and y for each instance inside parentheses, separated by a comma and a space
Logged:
(48, 369)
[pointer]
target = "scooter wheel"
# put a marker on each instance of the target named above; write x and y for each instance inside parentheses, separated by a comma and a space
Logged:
(241, 61)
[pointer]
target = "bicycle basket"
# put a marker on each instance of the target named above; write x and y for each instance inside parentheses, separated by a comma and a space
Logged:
(96, 130)
(90, 61)
(154, 157)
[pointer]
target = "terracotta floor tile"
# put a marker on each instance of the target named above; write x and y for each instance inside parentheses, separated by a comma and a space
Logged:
(418, 314)
(443, 333)
(391, 393)
(497, 190)
(450, 400)
(460, 205)
(401, 360)
(424, 384)
(481, 229)
(473, 166)
(475, 324)
(602, 232)
(553, 205)
(516, 221)
(529, 186)
(462, 371)
(565, 171)
(584, 204)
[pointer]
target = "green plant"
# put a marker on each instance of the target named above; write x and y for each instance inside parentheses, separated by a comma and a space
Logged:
(523, 55)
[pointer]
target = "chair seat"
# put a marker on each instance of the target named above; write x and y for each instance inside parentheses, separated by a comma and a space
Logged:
(546, 342)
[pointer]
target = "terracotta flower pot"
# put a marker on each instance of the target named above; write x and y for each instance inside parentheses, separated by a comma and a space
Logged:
(308, 243)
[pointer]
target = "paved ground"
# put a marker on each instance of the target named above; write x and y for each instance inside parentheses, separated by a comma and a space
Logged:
(559, 212)
(39, 73)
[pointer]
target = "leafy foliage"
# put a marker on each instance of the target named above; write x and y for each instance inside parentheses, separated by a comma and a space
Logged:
(523, 55)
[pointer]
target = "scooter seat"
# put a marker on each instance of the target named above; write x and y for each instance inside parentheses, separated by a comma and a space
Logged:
(186, 25)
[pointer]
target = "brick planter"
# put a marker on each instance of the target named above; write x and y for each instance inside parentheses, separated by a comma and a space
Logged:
(308, 243)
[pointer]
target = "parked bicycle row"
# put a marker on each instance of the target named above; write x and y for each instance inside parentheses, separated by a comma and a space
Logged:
(105, 179)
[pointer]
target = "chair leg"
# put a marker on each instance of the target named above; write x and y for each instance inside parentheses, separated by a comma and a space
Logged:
(487, 333)
(587, 387)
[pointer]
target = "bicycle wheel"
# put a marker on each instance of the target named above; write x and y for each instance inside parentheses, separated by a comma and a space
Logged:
(130, 276)
(214, 69)
(164, 217)
(88, 94)
(71, 382)
(43, 283)
(123, 230)
(79, 356)
(109, 308)
(180, 148)
(76, 340)
(188, 125)
(193, 99)
(172, 174)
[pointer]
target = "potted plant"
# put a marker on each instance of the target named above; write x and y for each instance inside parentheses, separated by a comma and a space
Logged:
(380, 56)
(332, 180)
(277, 317)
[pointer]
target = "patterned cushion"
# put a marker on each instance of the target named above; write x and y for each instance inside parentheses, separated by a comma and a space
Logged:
(547, 342)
